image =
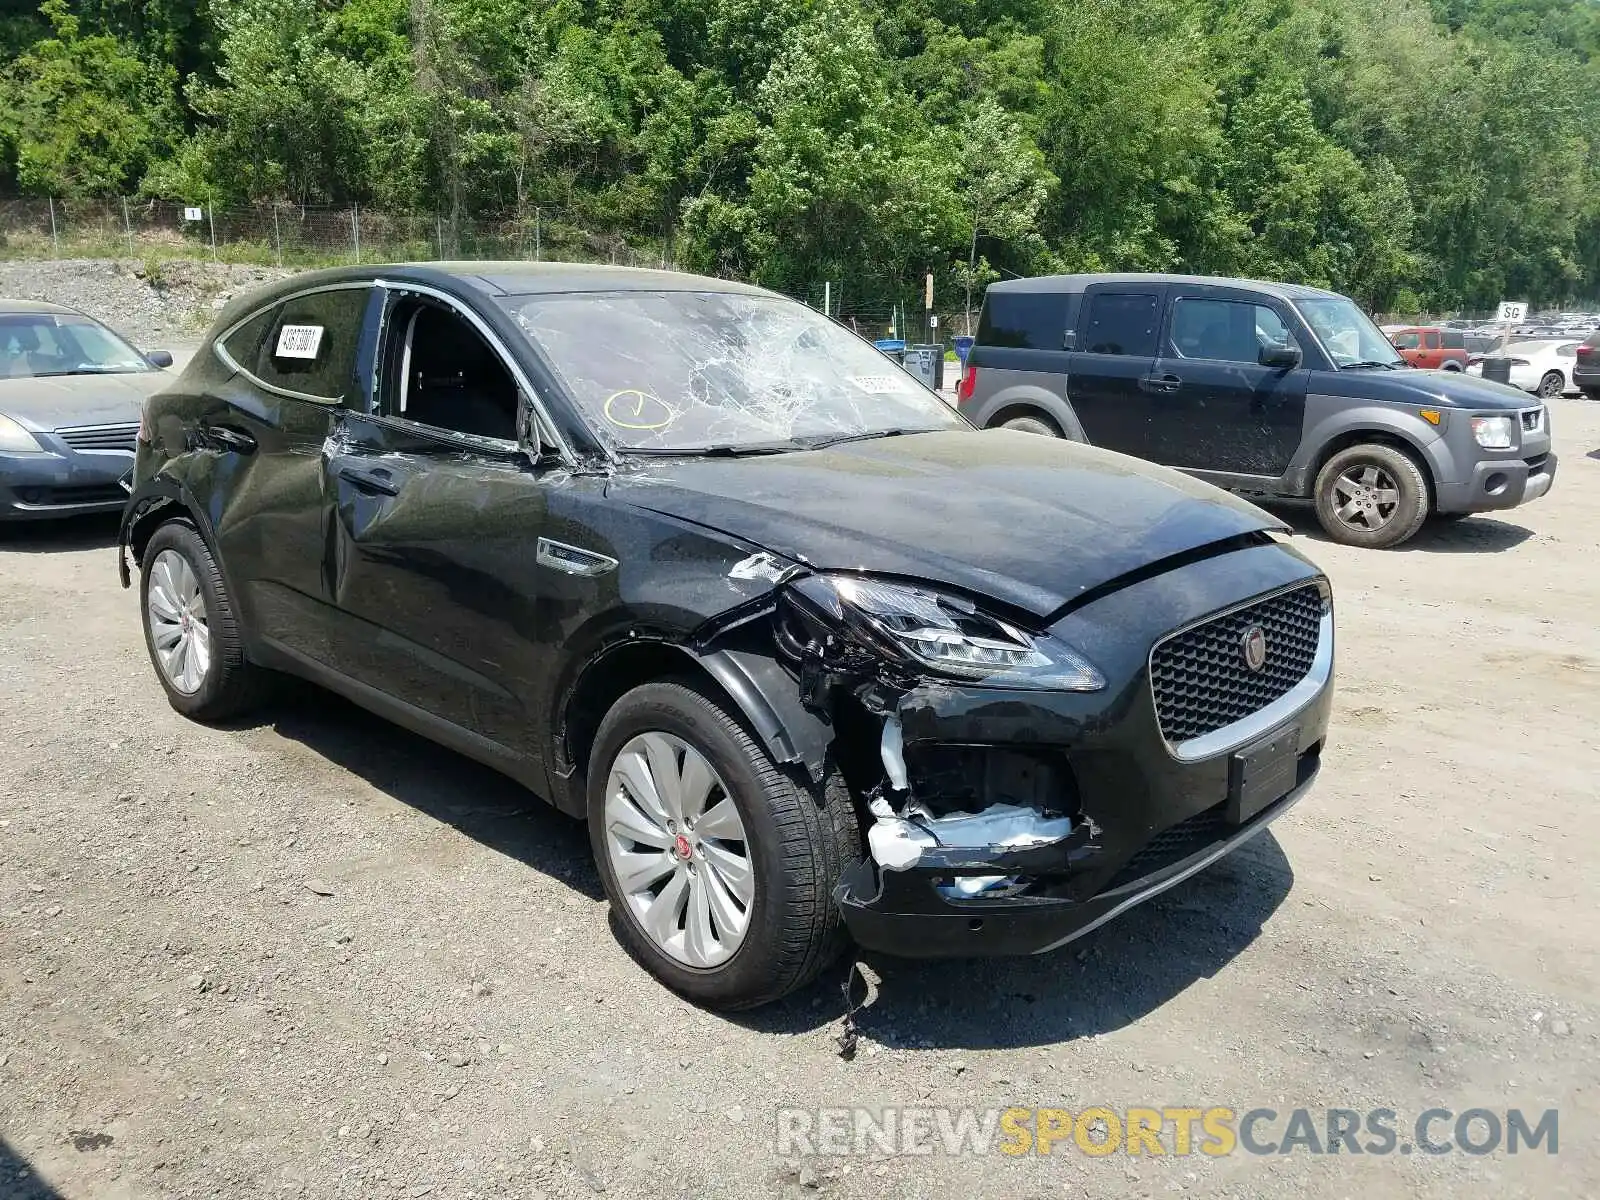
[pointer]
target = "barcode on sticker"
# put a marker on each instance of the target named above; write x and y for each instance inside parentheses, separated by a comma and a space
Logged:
(299, 341)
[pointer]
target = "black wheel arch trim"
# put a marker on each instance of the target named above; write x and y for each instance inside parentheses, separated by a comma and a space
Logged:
(157, 494)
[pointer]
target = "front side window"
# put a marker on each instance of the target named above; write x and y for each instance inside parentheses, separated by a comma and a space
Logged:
(1347, 333)
(45, 344)
(310, 345)
(1407, 341)
(1122, 323)
(691, 371)
(1225, 330)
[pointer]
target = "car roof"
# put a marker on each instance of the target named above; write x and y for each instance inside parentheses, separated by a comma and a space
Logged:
(516, 278)
(1077, 283)
(13, 308)
(512, 278)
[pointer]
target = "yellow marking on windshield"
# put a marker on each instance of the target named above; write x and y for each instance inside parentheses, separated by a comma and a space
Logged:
(633, 409)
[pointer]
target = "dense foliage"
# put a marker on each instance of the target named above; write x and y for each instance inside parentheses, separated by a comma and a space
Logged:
(1413, 154)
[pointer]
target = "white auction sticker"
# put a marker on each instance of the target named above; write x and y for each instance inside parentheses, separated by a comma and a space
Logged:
(299, 341)
(883, 384)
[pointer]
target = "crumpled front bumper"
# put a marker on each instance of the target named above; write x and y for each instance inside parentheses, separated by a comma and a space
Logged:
(1145, 817)
(904, 913)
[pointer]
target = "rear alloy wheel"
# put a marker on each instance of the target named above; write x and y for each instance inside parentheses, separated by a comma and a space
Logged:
(1033, 425)
(720, 867)
(1552, 385)
(1373, 496)
(189, 628)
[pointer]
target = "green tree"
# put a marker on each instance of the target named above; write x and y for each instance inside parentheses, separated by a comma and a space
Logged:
(82, 116)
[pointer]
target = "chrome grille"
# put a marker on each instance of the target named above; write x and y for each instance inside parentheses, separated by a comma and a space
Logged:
(1201, 681)
(100, 437)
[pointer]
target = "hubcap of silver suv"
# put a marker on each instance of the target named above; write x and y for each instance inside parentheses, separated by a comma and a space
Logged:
(176, 611)
(676, 846)
(1366, 497)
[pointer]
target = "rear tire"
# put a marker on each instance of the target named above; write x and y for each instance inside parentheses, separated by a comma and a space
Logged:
(1371, 495)
(190, 630)
(1551, 385)
(791, 842)
(1041, 425)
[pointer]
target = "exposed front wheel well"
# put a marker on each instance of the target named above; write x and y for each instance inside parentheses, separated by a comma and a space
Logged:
(1370, 437)
(613, 675)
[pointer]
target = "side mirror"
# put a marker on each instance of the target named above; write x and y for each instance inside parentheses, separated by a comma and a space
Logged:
(1284, 358)
(160, 358)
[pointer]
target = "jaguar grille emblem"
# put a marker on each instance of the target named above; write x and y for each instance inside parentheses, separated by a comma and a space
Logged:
(1253, 647)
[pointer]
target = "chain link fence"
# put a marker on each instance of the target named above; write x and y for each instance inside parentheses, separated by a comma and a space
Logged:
(298, 235)
(290, 235)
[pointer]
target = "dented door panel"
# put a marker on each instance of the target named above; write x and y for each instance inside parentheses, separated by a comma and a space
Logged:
(430, 568)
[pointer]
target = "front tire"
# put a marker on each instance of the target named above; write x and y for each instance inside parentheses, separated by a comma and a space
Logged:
(719, 867)
(190, 630)
(1371, 495)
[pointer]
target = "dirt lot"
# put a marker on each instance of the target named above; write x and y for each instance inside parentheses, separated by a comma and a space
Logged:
(311, 955)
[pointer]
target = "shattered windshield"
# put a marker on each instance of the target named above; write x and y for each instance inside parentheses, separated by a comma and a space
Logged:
(1347, 333)
(697, 371)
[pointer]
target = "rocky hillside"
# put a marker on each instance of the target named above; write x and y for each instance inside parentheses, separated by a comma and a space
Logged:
(154, 304)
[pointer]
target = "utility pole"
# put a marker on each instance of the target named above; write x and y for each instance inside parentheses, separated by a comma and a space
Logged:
(537, 248)
(211, 219)
(55, 241)
(827, 298)
(127, 226)
(277, 237)
(355, 231)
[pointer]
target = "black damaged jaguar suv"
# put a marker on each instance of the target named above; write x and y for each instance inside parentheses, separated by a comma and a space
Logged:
(810, 654)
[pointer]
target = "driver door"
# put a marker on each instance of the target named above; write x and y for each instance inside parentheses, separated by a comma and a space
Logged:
(431, 530)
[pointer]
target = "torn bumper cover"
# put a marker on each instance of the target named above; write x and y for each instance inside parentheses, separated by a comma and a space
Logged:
(1023, 878)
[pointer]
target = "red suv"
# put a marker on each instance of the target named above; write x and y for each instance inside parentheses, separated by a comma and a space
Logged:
(1427, 346)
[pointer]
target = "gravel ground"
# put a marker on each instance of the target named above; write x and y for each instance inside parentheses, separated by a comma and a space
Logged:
(154, 304)
(309, 954)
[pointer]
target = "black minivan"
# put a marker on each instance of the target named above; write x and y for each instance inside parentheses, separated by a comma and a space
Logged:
(1271, 390)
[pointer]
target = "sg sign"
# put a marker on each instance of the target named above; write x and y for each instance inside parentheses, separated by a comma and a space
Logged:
(1513, 310)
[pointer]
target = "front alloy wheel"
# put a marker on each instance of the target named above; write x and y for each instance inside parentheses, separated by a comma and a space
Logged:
(719, 865)
(1372, 495)
(677, 848)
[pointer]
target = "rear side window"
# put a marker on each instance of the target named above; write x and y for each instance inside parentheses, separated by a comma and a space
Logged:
(1430, 341)
(1024, 320)
(310, 346)
(244, 343)
(1122, 323)
(1454, 339)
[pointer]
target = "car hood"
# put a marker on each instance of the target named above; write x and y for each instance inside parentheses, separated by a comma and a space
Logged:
(1027, 520)
(1439, 389)
(61, 401)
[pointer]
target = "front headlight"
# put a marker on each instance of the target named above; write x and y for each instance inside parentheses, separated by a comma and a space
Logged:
(14, 439)
(926, 629)
(1492, 433)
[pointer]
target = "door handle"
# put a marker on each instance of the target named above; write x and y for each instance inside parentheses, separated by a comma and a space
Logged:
(1161, 383)
(378, 480)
